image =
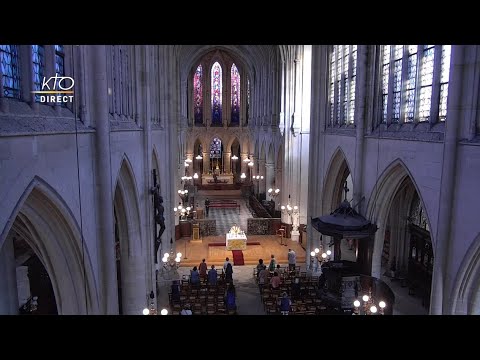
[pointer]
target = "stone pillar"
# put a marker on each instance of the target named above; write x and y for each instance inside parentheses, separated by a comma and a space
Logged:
(359, 123)
(8, 283)
(441, 281)
(227, 161)
(206, 162)
(105, 235)
(261, 172)
(243, 165)
(270, 176)
(143, 115)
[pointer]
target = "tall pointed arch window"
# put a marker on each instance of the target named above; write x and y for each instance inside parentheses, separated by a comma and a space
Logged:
(10, 70)
(216, 94)
(235, 101)
(414, 83)
(343, 74)
(198, 95)
(38, 52)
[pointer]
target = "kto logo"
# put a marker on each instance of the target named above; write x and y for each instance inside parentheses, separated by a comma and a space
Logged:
(55, 89)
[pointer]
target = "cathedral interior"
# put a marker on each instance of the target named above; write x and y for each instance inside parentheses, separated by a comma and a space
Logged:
(134, 179)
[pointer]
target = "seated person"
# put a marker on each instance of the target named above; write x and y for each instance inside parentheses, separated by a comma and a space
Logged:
(186, 310)
(284, 303)
(230, 298)
(279, 270)
(275, 281)
(194, 276)
(212, 276)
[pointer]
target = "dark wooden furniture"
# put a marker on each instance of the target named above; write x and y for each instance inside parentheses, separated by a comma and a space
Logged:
(420, 264)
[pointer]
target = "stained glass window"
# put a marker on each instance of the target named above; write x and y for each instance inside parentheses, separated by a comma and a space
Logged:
(346, 58)
(385, 80)
(417, 213)
(444, 78)
(351, 107)
(216, 148)
(59, 60)
(412, 91)
(397, 85)
(411, 83)
(38, 52)
(235, 80)
(343, 72)
(426, 80)
(216, 94)
(198, 95)
(339, 81)
(10, 69)
(332, 83)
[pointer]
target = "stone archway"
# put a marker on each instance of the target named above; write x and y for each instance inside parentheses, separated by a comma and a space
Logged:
(50, 229)
(466, 290)
(379, 205)
(131, 264)
(333, 190)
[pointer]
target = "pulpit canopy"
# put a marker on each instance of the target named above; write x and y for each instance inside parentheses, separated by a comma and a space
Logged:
(344, 222)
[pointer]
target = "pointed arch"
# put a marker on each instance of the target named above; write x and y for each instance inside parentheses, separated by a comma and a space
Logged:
(279, 160)
(270, 155)
(198, 95)
(55, 237)
(128, 203)
(381, 198)
(216, 93)
(131, 260)
(466, 290)
(262, 152)
(335, 175)
(235, 94)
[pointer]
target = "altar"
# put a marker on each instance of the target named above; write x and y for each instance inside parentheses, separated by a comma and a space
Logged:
(221, 179)
(236, 241)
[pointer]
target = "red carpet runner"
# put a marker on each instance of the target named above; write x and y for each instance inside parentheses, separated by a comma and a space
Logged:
(238, 257)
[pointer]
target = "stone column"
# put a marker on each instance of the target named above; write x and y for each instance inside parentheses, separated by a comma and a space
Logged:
(441, 280)
(206, 162)
(319, 96)
(227, 156)
(359, 123)
(262, 182)
(105, 232)
(244, 165)
(270, 176)
(8, 283)
(143, 116)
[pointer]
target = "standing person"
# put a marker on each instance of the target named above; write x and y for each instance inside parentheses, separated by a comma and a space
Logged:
(292, 259)
(262, 278)
(229, 273)
(259, 266)
(202, 269)
(227, 261)
(273, 264)
(207, 205)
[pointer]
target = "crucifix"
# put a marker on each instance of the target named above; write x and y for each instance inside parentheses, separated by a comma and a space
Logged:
(345, 189)
(158, 210)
